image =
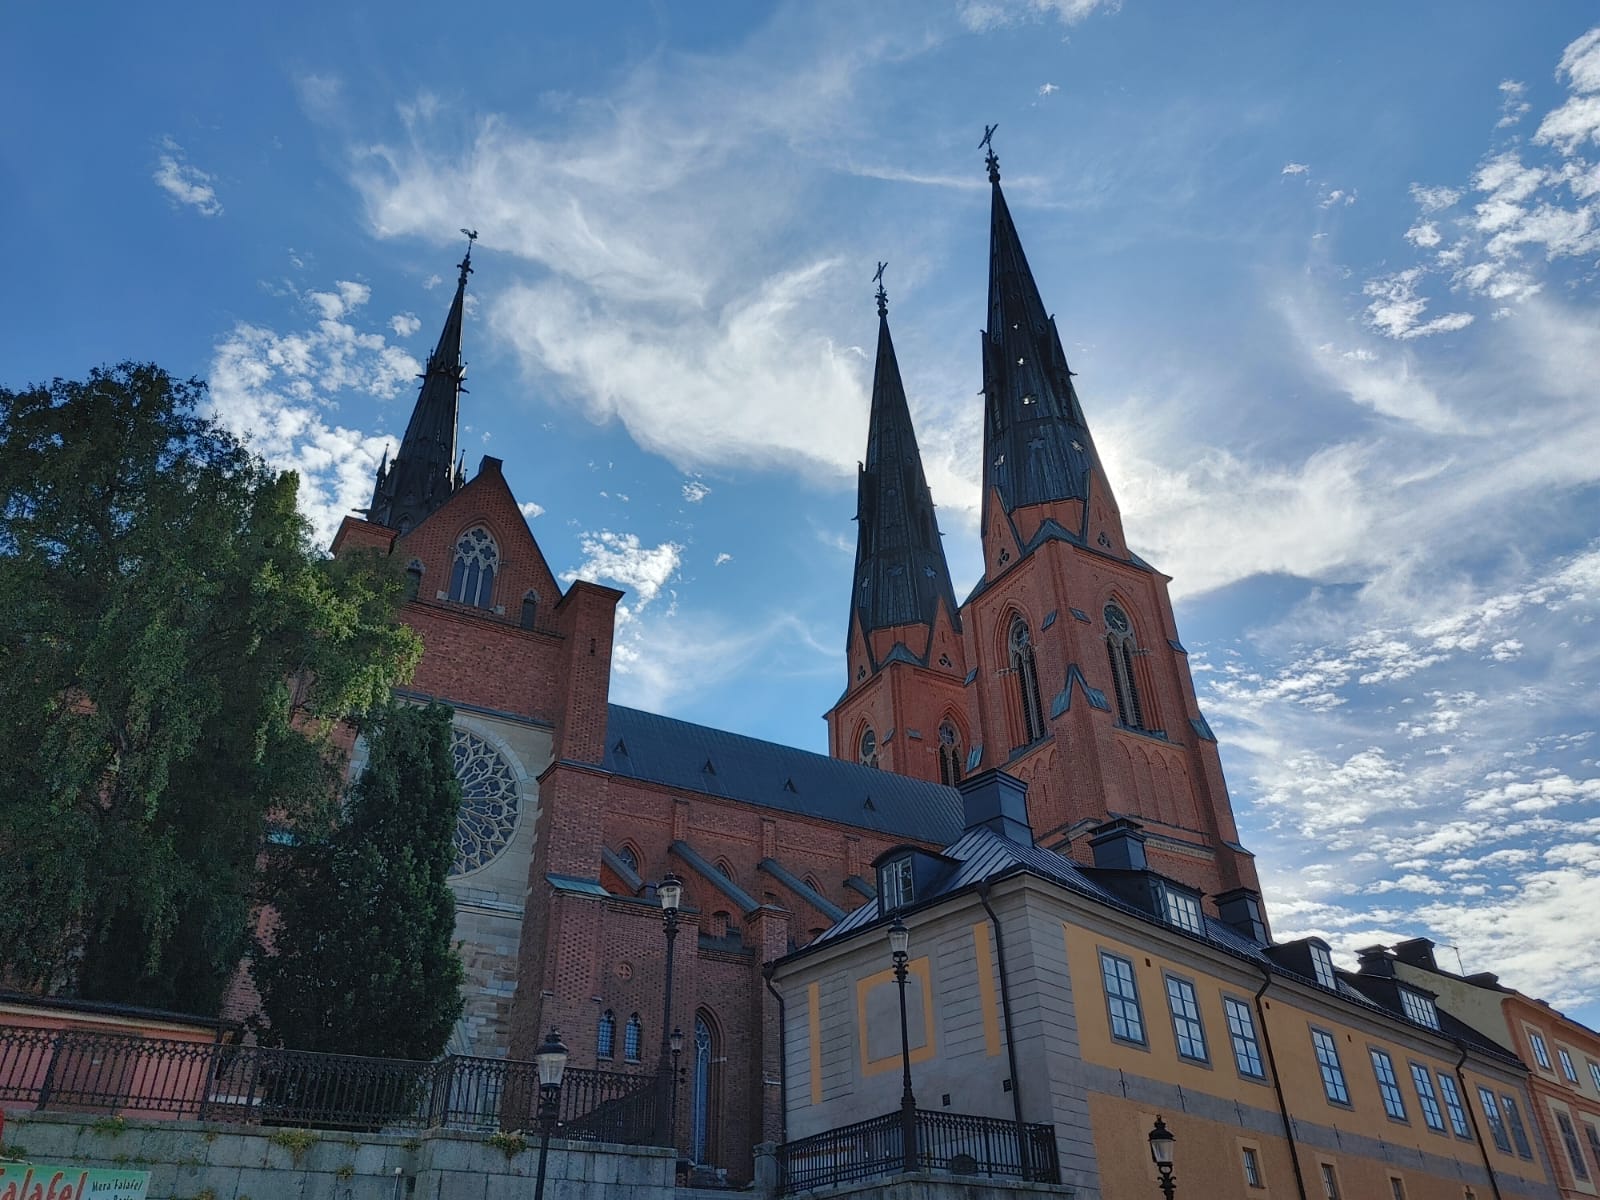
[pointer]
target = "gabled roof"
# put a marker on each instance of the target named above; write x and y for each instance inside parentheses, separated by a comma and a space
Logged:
(657, 749)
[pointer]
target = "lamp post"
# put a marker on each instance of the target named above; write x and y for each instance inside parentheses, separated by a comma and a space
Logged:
(677, 1071)
(670, 893)
(552, 1059)
(1161, 1140)
(899, 943)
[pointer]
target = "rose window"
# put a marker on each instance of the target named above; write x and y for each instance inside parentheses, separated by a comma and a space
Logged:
(488, 801)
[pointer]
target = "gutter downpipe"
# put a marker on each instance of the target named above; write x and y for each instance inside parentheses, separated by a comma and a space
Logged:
(1277, 1083)
(1477, 1131)
(1023, 1156)
(783, 1056)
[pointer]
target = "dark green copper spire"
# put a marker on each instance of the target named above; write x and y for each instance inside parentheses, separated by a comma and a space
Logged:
(1036, 444)
(901, 576)
(424, 473)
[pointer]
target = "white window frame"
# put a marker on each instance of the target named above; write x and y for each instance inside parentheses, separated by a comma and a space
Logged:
(896, 884)
(1322, 966)
(1419, 1008)
(1183, 910)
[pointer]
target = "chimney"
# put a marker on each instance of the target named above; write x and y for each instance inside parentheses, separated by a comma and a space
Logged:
(1418, 952)
(1118, 845)
(1240, 911)
(997, 802)
(1375, 960)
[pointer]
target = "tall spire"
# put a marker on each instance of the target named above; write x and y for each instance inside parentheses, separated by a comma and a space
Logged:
(1036, 444)
(424, 474)
(901, 575)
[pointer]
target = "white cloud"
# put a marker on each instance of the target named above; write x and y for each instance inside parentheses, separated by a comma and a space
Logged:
(1396, 309)
(530, 510)
(405, 324)
(186, 184)
(983, 15)
(278, 391)
(724, 557)
(1512, 105)
(1434, 199)
(1046, 89)
(621, 558)
(694, 491)
(1295, 168)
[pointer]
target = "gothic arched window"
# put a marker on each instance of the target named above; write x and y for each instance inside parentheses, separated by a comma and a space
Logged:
(472, 577)
(950, 761)
(633, 1038)
(630, 858)
(706, 1082)
(867, 751)
(606, 1041)
(1020, 643)
(413, 578)
(530, 609)
(1120, 649)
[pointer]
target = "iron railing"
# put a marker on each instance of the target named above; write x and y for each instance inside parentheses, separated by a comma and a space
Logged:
(945, 1141)
(76, 1071)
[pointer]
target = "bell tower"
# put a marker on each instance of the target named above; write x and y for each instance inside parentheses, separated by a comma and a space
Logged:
(904, 705)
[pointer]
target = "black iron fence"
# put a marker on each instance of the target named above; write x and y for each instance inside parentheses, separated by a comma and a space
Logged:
(945, 1141)
(75, 1071)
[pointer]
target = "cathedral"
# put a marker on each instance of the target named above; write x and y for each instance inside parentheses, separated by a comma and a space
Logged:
(1063, 668)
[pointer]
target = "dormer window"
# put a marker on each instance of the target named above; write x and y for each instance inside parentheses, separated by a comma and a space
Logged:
(1322, 965)
(1419, 1008)
(1183, 909)
(895, 888)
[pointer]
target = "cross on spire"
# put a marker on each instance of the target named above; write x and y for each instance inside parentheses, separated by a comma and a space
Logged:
(883, 296)
(991, 160)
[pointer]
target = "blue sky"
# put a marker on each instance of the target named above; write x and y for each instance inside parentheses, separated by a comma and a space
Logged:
(1327, 276)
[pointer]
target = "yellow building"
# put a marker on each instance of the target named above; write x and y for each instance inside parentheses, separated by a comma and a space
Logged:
(1044, 999)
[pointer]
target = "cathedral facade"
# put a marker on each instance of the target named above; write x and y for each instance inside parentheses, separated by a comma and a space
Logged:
(1063, 667)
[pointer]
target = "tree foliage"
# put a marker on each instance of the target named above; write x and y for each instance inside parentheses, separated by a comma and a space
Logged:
(362, 959)
(172, 655)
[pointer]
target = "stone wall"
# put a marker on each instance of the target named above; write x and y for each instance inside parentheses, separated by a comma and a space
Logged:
(191, 1160)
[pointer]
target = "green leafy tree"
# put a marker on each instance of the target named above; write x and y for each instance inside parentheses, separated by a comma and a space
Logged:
(362, 958)
(173, 654)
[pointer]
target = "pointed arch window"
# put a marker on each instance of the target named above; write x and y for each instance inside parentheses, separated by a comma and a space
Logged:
(413, 578)
(950, 754)
(632, 1038)
(530, 609)
(1120, 649)
(606, 1040)
(1023, 668)
(630, 858)
(706, 1085)
(472, 577)
(867, 748)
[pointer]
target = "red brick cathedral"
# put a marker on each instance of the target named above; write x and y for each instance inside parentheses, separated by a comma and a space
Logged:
(1063, 668)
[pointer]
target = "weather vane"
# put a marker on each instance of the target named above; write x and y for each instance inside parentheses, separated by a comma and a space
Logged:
(883, 296)
(990, 161)
(466, 263)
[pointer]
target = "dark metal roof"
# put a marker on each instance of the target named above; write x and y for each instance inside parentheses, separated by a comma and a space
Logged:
(424, 473)
(657, 749)
(1036, 442)
(801, 888)
(901, 574)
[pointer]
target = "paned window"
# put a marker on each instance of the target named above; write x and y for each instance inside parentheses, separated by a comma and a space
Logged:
(1594, 1140)
(632, 1038)
(1022, 666)
(895, 884)
(1541, 1052)
(1497, 1126)
(1567, 1069)
(1388, 1084)
(472, 576)
(1574, 1151)
(1120, 650)
(704, 1100)
(950, 754)
(1183, 910)
(490, 799)
(1122, 998)
(867, 750)
(1453, 1106)
(1333, 1085)
(1397, 1187)
(1186, 1025)
(1242, 1033)
(629, 858)
(1252, 1167)
(1322, 965)
(1519, 1135)
(1330, 1182)
(1594, 1074)
(1431, 1114)
(606, 1040)
(1419, 1008)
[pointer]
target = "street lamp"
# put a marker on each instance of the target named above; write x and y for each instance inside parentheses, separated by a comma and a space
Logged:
(677, 1049)
(1161, 1140)
(552, 1060)
(670, 893)
(899, 943)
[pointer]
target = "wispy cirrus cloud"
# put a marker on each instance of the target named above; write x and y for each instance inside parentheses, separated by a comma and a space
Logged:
(185, 183)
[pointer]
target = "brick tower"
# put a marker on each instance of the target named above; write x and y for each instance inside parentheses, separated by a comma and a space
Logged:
(904, 708)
